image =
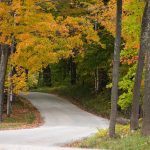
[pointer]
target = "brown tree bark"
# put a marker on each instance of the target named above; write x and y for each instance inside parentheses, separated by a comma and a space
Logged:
(115, 75)
(97, 88)
(134, 124)
(3, 66)
(146, 105)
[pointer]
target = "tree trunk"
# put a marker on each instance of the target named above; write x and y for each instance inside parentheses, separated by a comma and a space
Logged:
(146, 105)
(10, 95)
(27, 74)
(134, 125)
(10, 88)
(40, 79)
(3, 67)
(101, 79)
(97, 68)
(115, 75)
(47, 76)
(73, 72)
(64, 69)
(97, 80)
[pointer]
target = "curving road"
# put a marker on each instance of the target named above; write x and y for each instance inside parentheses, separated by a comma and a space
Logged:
(64, 122)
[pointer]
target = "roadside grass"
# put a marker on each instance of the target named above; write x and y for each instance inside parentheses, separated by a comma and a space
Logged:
(125, 140)
(83, 97)
(24, 115)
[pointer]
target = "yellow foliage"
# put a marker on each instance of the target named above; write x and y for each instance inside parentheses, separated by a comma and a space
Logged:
(18, 80)
(40, 39)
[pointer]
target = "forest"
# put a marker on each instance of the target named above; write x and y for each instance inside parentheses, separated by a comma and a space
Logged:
(95, 51)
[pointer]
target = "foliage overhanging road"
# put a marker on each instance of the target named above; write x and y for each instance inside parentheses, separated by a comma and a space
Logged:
(63, 123)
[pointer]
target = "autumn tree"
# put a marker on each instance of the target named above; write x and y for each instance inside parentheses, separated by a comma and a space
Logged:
(81, 34)
(18, 22)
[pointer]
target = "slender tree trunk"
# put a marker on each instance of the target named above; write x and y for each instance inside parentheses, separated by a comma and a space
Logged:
(27, 74)
(10, 95)
(134, 125)
(40, 79)
(3, 67)
(10, 88)
(73, 72)
(103, 79)
(47, 76)
(97, 68)
(97, 80)
(146, 105)
(115, 75)
(64, 72)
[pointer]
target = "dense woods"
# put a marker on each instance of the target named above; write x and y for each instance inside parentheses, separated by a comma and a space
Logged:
(102, 45)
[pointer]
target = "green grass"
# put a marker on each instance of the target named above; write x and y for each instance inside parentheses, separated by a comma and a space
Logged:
(83, 96)
(24, 110)
(28, 118)
(124, 141)
(23, 115)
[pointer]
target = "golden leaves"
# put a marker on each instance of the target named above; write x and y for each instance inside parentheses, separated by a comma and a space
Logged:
(40, 39)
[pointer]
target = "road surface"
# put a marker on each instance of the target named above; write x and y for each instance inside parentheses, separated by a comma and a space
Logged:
(63, 123)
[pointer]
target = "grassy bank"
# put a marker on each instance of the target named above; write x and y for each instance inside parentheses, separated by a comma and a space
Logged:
(83, 97)
(24, 115)
(125, 140)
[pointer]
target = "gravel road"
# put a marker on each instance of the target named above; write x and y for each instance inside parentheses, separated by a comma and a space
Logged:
(63, 123)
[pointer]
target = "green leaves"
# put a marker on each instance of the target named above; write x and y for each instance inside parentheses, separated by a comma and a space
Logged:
(126, 86)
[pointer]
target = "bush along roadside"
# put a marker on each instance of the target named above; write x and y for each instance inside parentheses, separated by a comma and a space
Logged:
(124, 140)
